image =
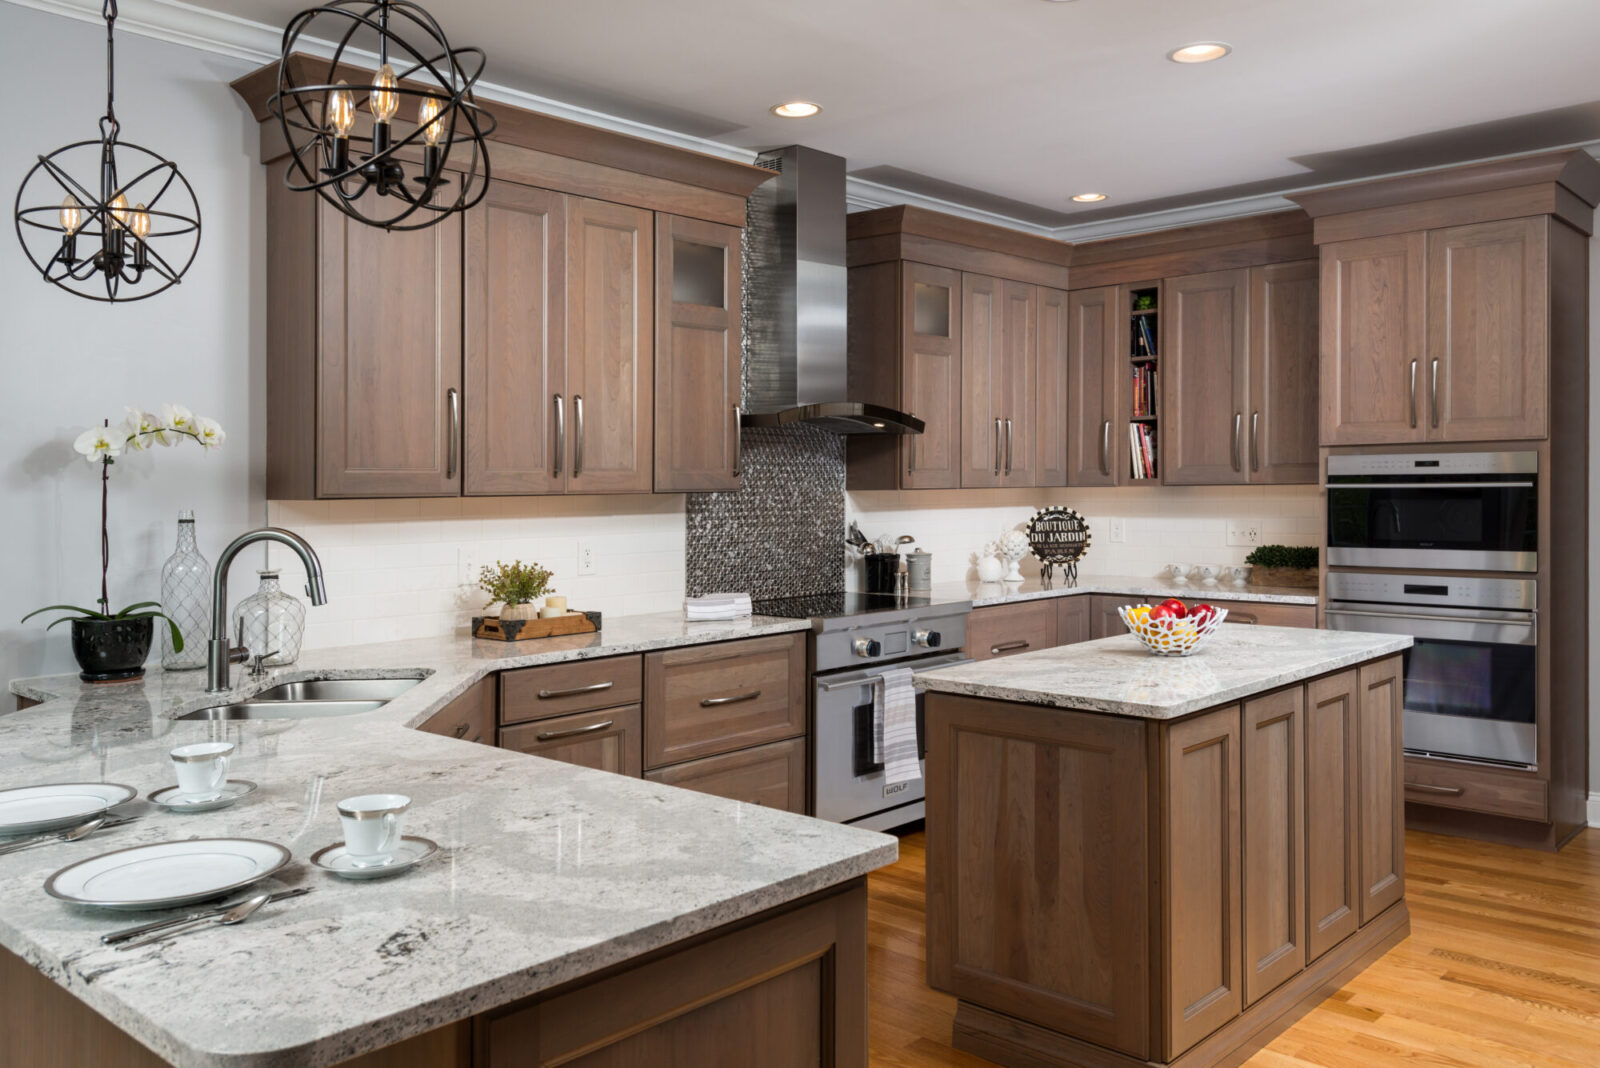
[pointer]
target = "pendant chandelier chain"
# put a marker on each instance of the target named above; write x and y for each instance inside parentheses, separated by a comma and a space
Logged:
(109, 126)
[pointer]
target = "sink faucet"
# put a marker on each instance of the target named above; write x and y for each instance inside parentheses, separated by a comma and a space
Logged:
(217, 652)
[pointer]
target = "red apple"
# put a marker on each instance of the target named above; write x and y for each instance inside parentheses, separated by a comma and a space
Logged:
(1163, 612)
(1174, 606)
(1202, 613)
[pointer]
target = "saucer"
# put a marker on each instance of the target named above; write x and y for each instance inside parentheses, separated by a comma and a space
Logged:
(412, 851)
(168, 798)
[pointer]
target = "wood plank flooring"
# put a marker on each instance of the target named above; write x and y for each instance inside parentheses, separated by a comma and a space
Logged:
(1502, 968)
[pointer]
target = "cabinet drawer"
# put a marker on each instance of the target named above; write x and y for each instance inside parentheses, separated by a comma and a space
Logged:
(1265, 614)
(607, 740)
(710, 699)
(579, 686)
(773, 775)
(1447, 785)
(469, 717)
(1008, 629)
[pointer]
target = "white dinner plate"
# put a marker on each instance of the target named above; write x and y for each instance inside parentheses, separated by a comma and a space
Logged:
(32, 809)
(167, 874)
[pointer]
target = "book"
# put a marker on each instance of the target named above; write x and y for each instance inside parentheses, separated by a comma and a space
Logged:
(1146, 340)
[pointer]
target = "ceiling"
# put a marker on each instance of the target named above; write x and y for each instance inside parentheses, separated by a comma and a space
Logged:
(1012, 106)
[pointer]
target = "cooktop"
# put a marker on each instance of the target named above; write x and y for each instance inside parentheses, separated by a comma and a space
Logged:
(842, 603)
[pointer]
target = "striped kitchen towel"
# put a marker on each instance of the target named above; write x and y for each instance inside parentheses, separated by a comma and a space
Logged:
(895, 727)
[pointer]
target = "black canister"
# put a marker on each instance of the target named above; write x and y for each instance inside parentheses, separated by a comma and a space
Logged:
(881, 570)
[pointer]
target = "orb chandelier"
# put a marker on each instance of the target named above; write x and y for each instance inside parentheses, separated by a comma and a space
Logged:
(439, 167)
(111, 238)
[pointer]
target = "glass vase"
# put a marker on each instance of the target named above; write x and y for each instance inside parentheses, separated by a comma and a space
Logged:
(271, 621)
(186, 599)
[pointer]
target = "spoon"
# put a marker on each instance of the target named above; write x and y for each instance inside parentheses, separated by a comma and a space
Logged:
(71, 834)
(238, 914)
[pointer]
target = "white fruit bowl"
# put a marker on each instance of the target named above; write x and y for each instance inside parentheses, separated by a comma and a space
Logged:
(1171, 637)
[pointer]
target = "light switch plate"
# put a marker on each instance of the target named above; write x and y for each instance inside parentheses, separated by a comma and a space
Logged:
(1119, 530)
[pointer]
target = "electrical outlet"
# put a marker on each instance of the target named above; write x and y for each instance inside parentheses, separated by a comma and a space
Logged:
(1119, 530)
(1244, 533)
(585, 559)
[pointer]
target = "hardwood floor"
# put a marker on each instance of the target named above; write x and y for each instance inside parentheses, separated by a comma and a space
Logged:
(1502, 968)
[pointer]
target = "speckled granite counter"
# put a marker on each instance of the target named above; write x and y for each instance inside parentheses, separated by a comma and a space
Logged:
(547, 872)
(1118, 675)
(987, 593)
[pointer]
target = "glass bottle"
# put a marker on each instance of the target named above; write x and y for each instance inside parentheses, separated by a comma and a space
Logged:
(186, 599)
(271, 621)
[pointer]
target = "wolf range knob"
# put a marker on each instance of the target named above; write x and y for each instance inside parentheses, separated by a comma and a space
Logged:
(928, 639)
(868, 647)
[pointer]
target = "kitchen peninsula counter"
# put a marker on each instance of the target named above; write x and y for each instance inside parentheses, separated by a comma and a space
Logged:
(1140, 860)
(550, 878)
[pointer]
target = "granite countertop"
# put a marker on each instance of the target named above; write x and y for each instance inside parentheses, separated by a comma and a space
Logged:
(1119, 676)
(988, 593)
(547, 872)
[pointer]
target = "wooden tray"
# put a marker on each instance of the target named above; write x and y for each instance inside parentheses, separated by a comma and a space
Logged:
(522, 630)
(1302, 577)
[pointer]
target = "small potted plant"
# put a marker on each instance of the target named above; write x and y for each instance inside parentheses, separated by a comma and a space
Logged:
(112, 646)
(515, 586)
(1283, 565)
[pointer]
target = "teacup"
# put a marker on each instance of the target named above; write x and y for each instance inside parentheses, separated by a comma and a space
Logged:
(1178, 572)
(1208, 574)
(202, 769)
(1240, 573)
(372, 826)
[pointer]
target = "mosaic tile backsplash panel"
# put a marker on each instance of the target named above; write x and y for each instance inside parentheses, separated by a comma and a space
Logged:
(782, 533)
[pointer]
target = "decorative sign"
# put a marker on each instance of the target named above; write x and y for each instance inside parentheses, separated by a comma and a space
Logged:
(1058, 537)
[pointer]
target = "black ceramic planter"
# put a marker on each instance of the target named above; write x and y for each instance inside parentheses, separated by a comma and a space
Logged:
(109, 650)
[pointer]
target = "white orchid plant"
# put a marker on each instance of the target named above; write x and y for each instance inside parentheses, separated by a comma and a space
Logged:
(103, 445)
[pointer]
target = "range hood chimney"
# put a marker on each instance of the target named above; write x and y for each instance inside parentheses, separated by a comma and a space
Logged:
(796, 299)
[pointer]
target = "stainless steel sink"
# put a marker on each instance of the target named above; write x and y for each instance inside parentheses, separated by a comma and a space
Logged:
(379, 690)
(283, 710)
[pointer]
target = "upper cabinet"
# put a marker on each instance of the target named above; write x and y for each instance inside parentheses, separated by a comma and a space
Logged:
(1283, 372)
(1096, 439)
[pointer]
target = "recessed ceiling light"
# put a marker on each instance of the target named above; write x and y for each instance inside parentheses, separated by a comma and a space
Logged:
(1089, 198)
(1199, 52)
(796, 109)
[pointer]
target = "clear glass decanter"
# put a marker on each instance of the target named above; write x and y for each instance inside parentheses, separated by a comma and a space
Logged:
(271, 621)
(186, 599)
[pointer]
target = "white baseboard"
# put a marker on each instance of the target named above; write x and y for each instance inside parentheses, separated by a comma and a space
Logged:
(1594, 809)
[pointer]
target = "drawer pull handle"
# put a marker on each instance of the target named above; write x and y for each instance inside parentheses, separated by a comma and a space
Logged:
(713, 702)
(593, 687)
(1243, 617)
(461, 728)
(550, 736)
(1006, 647)
(1445, 791)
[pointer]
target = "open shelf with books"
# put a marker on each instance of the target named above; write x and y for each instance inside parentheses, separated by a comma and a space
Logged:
(1144, 358)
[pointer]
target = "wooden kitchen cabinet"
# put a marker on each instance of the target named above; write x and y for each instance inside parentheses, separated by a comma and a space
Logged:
(1272, 759)
(773, 775)
(516, 342)
(1104, 622)
(1001, 400)
(607, 740)
(1373, 316)
(1282, 422)
(1333, 907)
(1380, 784)
(1008, 629)
(575, 686)
(1095, 424)
(697, 355)
(1074, 620)
(1204, 348)
(1047, 429)
(470, 717)
(703, 700)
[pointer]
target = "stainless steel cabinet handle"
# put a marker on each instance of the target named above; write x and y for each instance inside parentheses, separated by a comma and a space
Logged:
(1105, 449)
(1413, 393)
(1427, 788)
(548, 736)
(1255, 441)
(998, 424)
(453, 459)
(738, 441)
(1433, 396)
(1006, 647)
(1008, 446)
(1243, 617)
(593, 687)
(561, 436)
(713, 702)
(1238, 423)
(577, 435)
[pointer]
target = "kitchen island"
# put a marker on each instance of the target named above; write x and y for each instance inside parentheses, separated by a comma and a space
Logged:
(1142, 860)
(571, 915)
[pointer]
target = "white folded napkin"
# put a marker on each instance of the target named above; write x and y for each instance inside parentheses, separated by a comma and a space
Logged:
(717, 606)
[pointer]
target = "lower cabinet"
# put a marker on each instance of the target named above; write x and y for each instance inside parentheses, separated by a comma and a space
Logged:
(1008, 629)
(1074, 620)
(608, 740)
(1332, 910)
(773, 775)
(1380, 777)
(1272, 753)
(470, 717)
(1107, 623)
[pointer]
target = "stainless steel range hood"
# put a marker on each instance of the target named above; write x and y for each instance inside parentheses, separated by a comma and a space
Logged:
(795, 300)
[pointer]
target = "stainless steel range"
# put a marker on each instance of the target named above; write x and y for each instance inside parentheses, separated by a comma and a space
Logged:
(855, 638)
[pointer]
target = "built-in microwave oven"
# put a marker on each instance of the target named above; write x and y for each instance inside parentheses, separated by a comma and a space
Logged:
(1460, 511)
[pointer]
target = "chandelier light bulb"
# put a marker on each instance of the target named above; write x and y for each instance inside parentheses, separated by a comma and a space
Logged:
(71, 214)
(119, 209)
(341, 111)
(384, 100)
(139, 222)
(427, 118)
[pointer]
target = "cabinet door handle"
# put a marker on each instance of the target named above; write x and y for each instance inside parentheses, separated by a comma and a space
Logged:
(577, 435)
(561, 437)
(1433, 395)
(1444, 791)
(1413, 401)
(1238, 424)
(1105, 449)
(1243, 617)
(998, 426)
(1008, 446)
(461, 729)
(593, 687)
(453, 451)
(1006, 647)
(1255, 441)
(713, 702)
(550, 736)
(738, 441)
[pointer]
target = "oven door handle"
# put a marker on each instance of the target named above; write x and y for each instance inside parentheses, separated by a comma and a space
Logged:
(875, 678)
(1465, 627)
(1428, 485)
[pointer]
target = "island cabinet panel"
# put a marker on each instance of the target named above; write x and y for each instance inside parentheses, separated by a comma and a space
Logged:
(608, 740)
(1201, 883)
(786, 992)
(1038, 902)
(1074, 620)
(697, 359)
(1272, 744)
(576, 686)
(705, 700)
(1381, 778)
(1096, 426)
(1333, 905)
(470, 717)
(1373, 316)
(1204, 347)
(773, 775)
(1009, 629)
